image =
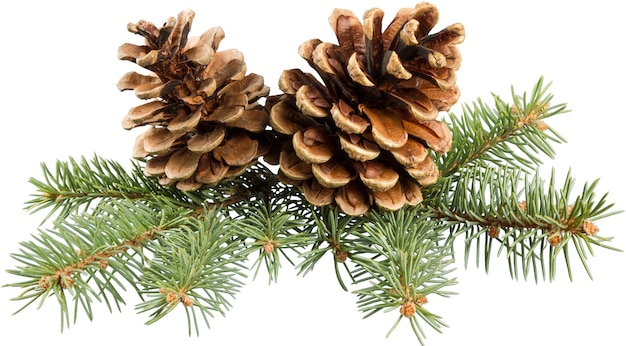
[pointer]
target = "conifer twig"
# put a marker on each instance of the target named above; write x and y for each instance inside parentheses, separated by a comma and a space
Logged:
(505, 134)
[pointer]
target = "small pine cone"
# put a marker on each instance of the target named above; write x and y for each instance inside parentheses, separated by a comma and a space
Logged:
(363, 137)
(204, 122)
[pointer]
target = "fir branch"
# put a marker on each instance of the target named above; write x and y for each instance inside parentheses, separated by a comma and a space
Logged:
(333, 234)
(197, 265)
(403, 258)
(533, 223)
(504, 134)
(80, 183)
(86, 254)
(271, 226)
(122, 213)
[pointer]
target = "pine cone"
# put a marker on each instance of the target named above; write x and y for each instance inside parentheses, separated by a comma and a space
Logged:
(205, 124)
(364, 136)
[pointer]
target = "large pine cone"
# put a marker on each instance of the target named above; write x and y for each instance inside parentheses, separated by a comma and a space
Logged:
(362, 138)
(205, 124)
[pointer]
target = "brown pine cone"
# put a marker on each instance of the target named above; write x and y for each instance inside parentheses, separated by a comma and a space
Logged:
(204, 122)
(364, 136)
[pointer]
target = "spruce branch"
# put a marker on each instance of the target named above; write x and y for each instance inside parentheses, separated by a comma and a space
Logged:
(271, 228)
(198, 265)
(504, 134)
(403, 258)
(333, 234)
(83, 257)
(198, 241)
(79, 183)
(532, 221)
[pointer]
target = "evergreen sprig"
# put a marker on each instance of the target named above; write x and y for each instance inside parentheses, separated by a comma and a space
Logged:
(333, 234)
(505, 134)
(79, 183)
(198, 265)
(403, 257)
(531, 222)
(491, 189)
(271, 229)
(115, 227)
(83, 257)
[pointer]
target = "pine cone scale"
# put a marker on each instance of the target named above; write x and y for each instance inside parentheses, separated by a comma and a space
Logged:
(210, 171)
(434, 133)
(159, 140)
(352, 199)
(349, 32)
(347, 119)
(185, 122)
(372, 30)
(390, 199)
(427, 15)
(293, 167)
(206, 142)
(411, 154)
(140, 114)
(156, 166)
(285, 118)
(377, 176)
(332, 173)
(389, 35)
(237, 150)
(252, 120)
(182, 164)
(357, 148)
(387, 127)
(317, 194)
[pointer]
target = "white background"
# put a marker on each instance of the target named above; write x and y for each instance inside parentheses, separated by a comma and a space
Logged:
(59, 100)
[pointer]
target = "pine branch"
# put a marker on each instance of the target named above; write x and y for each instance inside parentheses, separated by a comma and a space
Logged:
(87, 254)
(403, 258)
(75, 184)
(533, 223)
(333, 234)
(356, 141)
(198, 265)
(503, 135)
(271, 226)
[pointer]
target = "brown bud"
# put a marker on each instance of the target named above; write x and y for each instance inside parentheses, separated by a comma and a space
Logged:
(171, 297)
(341, 255)
(541, 125)
(407, 309)
(45, 282)
(421, 300)
(494, 231)
(522, 205)
(186, 300)
(554, 238)
(268, 247)
(66, 281)
(590, 228)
